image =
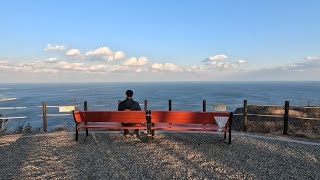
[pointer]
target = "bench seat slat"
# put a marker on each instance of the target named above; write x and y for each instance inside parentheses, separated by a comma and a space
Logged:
(110, 116)
(187, 127)
(115, 126)
(185, 117)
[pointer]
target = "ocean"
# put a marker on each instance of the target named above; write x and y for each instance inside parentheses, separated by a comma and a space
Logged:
(184, 96)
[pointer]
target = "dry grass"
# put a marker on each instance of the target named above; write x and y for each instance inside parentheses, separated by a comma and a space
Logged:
(297, 127)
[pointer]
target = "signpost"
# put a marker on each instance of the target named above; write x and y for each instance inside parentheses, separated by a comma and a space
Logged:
(66, 108)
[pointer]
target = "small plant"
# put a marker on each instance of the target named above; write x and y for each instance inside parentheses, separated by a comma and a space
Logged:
(28, 128)
(22, 129)
(3, 124)
(19, 129)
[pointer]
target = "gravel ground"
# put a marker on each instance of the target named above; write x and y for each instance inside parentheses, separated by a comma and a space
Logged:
(170, 156)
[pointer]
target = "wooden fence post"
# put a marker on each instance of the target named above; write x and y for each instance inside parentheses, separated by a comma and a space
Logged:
(44, 116)
(145, 105)
(286, 118)
(245, 116)
(85, 106)
(170, 105)
(204, 105)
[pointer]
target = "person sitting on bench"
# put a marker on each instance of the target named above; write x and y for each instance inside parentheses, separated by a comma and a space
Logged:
(129, 105)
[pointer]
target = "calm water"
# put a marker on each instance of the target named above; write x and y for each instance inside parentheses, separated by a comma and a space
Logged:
(184, 96)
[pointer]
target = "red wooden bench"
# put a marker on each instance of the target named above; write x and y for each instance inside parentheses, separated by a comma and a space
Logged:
(188, 121)
(111, 120)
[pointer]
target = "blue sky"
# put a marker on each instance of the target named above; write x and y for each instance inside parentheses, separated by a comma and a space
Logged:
(159, 40)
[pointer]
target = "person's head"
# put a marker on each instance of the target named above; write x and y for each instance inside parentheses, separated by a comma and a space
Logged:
(129, 93)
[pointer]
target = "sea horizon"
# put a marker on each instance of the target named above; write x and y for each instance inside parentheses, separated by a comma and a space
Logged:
(164, 81)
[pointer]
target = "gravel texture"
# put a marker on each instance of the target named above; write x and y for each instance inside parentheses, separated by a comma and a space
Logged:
(170, 156)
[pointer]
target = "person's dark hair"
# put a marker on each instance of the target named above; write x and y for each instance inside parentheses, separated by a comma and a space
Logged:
(129, 93)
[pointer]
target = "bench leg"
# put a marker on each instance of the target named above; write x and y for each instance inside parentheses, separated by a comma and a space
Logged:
(87, 133)
(224, 137)
(150, 132)
(150, 135)
(77, 134)
(230, 126)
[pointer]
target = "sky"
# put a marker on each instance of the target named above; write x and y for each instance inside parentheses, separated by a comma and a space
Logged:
(121, 41)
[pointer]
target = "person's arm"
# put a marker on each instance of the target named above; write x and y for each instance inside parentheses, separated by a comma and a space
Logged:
(121, 106)
(137, 107)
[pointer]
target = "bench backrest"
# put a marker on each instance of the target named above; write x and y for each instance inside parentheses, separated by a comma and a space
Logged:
(110, 116)
(186, 117)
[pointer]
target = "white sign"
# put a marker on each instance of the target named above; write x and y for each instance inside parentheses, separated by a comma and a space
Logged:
(66, 108)
(220, 108)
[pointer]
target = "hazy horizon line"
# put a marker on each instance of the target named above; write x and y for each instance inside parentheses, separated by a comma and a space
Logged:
(229, 81)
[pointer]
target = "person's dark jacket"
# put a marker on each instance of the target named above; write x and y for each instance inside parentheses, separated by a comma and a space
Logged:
(129, 103)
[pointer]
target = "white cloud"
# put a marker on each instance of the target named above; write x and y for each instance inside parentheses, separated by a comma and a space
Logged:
(136, 61)
(51, 60)
(4, 62)
(102, 51)
(51, 47)
(88, 68)
(107, 58)
(51, 65)
(216, 68)
(312, 58)
(164, 67)
(33, 67)
(73, 52)
(118, 55)
(306, 69)
(307, 64)
(138, 70)
(70, 66)
(241, 61)
(217, 57)
(105, 54)
(223, 66)
(215, 62)
(5, 65)
(195, 69)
